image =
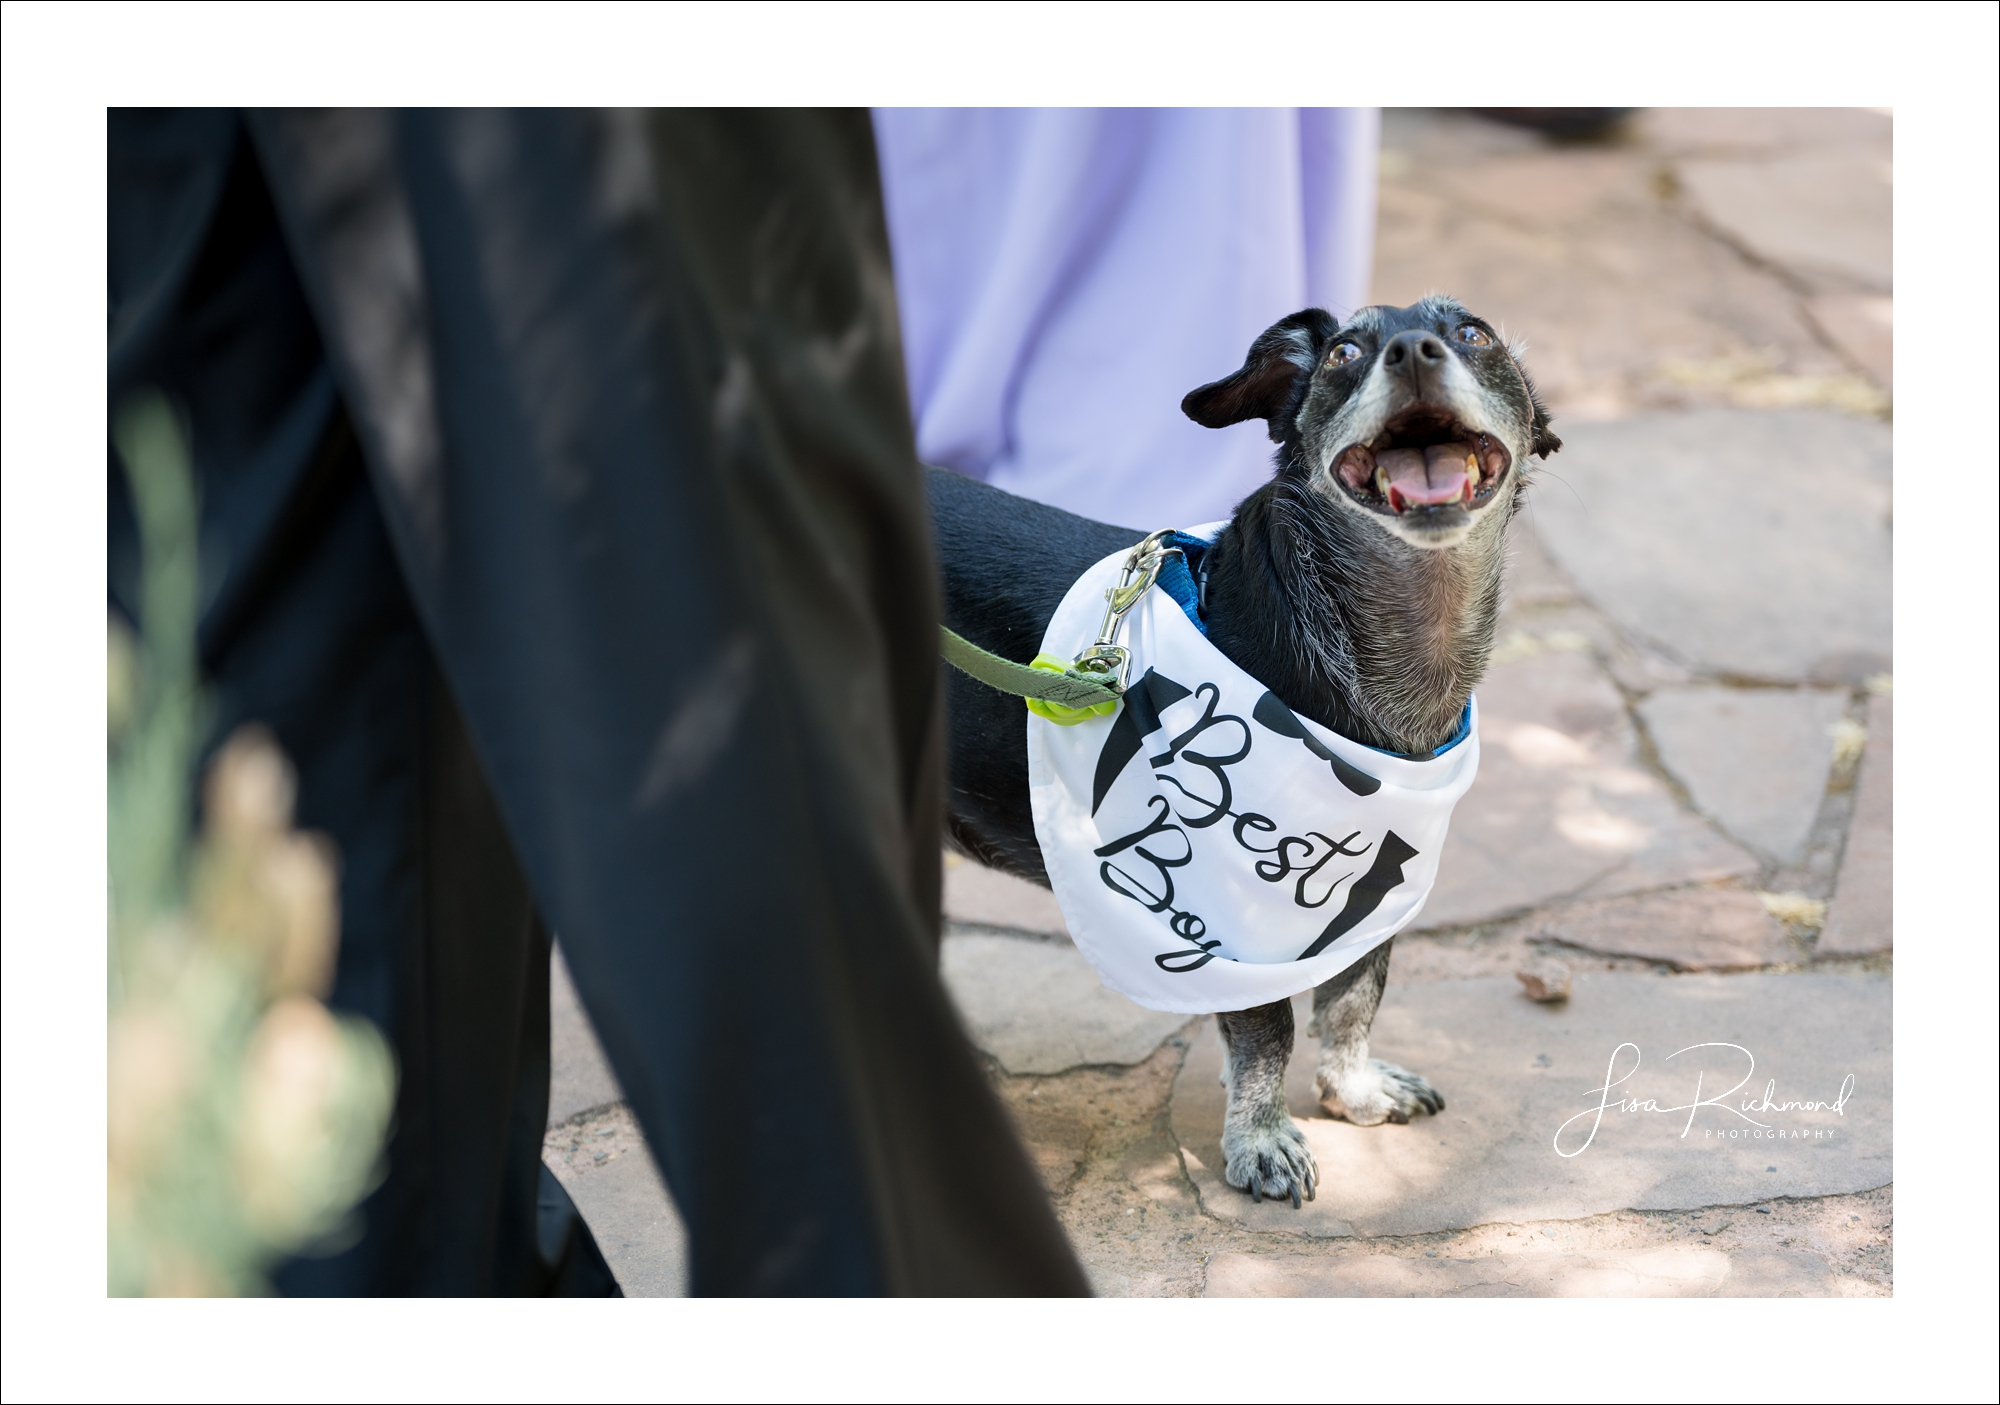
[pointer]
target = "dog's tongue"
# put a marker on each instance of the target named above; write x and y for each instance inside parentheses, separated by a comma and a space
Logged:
(1442, 473)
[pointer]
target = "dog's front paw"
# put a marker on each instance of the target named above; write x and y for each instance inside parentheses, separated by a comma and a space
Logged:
(1374, 1092)
(1271, 1161)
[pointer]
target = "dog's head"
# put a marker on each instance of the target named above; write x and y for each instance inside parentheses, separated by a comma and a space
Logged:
(1417, 418)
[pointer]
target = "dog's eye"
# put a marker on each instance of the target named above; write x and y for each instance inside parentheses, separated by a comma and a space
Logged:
(1346, 353)
(1473, 336)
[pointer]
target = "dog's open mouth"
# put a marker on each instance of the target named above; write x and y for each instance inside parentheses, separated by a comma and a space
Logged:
(1424, 460)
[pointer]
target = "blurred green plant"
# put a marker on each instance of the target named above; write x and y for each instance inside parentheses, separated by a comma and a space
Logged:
(245, 1119)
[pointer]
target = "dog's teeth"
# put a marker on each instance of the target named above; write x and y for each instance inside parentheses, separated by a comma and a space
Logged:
(1382, 481)
(1381, 441)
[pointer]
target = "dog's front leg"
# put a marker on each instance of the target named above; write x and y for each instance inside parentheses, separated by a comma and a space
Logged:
(1263, 1150)
(1365, 1091)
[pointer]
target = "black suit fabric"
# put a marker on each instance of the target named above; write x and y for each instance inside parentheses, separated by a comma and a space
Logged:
(562, 518)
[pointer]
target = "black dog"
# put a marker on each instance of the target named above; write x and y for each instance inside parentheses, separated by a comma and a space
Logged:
(1360, 585)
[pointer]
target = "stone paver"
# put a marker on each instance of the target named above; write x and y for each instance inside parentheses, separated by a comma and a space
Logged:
(1515, 1072)
(596, 1150)
(1600, 257)
(1533, 578)
(603, 1163)
(1859, 920)
(1752, 544)
(1823, 214)
(1677, 1272)
(1860, 324)
(1038, 1007)
(1762, 131)
(1563, 805)
(1690, 929)
(1756, 761)
(580, 1077)
(986, 897)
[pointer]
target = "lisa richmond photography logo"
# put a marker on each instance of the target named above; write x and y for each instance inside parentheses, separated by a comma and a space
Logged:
(1712, 1112)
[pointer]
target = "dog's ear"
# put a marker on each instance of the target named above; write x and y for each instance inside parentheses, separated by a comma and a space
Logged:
(1544, 443)
(1273, 379)
(1541, 443)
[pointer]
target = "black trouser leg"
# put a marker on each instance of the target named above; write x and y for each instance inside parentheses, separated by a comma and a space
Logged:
(308, 628)
(632, 394)
(441, 945)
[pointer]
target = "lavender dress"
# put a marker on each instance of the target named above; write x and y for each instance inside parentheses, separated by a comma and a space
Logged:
(1066, 276)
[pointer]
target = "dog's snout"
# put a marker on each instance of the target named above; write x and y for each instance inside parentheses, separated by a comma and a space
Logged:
(1408, 352)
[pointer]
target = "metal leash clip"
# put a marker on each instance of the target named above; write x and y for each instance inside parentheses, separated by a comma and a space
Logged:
(1107, 657)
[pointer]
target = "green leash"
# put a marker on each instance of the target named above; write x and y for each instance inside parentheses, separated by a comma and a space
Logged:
(1067, 692)
(1053, 689)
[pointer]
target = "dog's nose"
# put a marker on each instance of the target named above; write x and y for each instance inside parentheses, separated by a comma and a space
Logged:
(1410, 353)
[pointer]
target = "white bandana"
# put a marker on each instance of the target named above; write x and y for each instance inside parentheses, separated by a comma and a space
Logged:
(1211, 849)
